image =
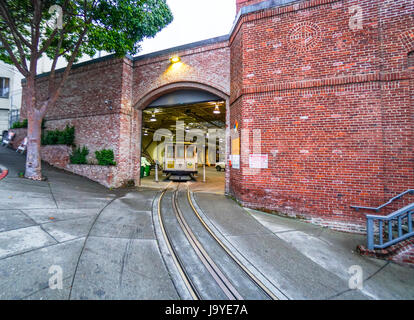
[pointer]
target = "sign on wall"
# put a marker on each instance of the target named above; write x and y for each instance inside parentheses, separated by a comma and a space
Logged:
(235, 161)
(258, 161)
(235, 146)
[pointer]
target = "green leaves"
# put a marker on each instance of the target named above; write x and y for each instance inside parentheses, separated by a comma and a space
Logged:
(79, 156)
(115, 26)
(105, 157)
(55, 137)
(118, 26)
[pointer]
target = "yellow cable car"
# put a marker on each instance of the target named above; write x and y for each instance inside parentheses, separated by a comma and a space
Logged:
(180, 160)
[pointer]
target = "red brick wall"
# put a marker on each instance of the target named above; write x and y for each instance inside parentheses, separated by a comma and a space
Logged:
(336, 112)
(406, 255)
(207, 65)
(96, 100)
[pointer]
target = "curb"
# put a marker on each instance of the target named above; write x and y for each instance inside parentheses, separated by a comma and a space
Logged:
(3, 172)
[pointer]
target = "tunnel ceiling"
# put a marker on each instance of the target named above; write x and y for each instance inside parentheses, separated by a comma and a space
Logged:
(184, 97)
(195, 116)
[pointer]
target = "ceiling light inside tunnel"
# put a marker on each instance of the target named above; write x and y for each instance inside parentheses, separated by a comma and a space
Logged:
(175, 59)
(153, 119)
(216, 110)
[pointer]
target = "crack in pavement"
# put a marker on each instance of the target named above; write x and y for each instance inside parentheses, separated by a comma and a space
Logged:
(40, 248)
(86, 239)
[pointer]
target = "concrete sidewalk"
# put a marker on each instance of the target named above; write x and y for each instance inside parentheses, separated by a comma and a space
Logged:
(105, 244)
(102, 240)
(304, 261)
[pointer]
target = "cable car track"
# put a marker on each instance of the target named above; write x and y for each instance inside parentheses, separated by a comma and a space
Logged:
(268, 292)
(220, 278)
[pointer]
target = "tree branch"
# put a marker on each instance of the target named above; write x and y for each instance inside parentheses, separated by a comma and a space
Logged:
(16, 35)
(5, 13)
(22, 68)
(35, 30)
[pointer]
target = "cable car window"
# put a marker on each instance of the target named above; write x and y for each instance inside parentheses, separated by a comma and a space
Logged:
(180, 152)
(170, 152)
(190, 151)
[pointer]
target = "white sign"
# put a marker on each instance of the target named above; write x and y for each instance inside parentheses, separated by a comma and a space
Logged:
(235, 161)
(258, 161)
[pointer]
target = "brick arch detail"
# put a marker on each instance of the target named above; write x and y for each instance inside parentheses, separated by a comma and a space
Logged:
(407, 40)
(143, 102)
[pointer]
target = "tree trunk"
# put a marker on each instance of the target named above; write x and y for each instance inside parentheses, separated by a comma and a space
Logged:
(33, 160)
(34, 131)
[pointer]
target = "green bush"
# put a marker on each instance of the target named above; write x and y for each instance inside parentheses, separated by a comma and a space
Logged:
(18, 124)
(53, 137)
(24, 124)
(105, 157)
(79, 156)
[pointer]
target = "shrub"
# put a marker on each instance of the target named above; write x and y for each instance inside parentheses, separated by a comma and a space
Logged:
(18, 124)
(53, 137)
(24, 124)
(79, 156)
(105, 157)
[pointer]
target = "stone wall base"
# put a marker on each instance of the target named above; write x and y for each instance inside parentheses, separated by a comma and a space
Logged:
(401, 253)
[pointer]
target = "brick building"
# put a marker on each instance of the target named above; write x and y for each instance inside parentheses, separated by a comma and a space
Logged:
(330, 84)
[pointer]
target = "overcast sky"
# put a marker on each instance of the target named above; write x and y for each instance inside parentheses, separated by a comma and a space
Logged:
(194, 20)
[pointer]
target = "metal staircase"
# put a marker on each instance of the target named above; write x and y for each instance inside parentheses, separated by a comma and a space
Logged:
(384, 231)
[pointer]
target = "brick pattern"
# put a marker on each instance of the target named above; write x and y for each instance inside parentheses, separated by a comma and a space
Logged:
(401, 253)
(336, 116)
(102, 174)
(152, 73)
(58, 156)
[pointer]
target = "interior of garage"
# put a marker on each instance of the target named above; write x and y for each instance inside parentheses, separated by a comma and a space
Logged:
(176, 117)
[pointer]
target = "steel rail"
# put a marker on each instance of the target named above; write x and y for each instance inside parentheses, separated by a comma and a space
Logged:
(187, 281)
(266, 290)
(224, 283)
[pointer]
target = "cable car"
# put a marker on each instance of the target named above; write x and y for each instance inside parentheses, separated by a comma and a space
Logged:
(180, 161)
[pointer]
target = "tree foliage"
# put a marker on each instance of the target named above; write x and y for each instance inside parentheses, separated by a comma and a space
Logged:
(88, 26)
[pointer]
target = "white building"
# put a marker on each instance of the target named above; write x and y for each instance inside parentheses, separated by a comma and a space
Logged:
(10, 93)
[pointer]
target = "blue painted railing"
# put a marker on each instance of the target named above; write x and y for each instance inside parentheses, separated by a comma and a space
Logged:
(400, 218)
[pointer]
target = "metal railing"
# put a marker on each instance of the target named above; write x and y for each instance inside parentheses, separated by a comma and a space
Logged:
(381, 228)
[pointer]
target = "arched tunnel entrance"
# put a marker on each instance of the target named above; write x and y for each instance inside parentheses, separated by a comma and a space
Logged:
(183, 138)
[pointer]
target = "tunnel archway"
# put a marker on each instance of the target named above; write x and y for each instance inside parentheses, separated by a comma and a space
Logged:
(175, 94)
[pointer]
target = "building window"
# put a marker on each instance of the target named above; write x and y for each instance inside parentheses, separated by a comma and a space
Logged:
(4, 87)
(411, 60)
